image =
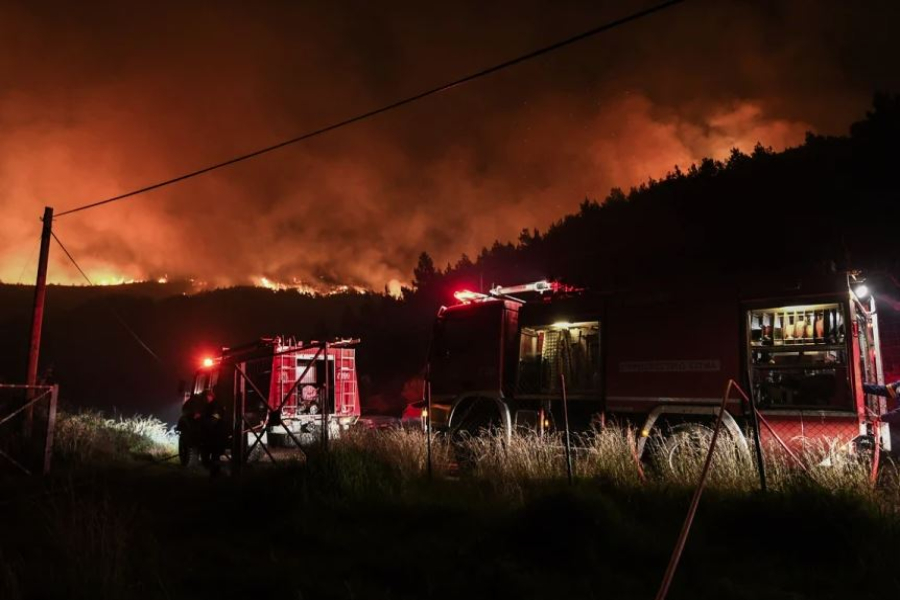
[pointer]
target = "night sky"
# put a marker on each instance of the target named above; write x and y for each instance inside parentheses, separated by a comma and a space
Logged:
(99, 98)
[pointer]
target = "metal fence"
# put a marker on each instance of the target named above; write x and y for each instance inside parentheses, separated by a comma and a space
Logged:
(27, 421)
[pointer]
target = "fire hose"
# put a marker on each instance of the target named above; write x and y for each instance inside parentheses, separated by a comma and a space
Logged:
(695, 501)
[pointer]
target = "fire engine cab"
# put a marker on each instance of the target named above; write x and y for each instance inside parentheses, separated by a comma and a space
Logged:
(801, 346)
(278, 391)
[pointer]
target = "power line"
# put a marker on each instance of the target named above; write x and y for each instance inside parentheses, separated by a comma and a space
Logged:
(118, 317)
(27, 263)
(71, 258)
(442, 88)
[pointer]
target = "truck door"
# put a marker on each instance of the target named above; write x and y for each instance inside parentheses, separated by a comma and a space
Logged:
(865, 332)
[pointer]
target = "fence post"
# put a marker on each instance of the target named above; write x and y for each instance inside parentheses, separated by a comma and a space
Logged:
(565, 403)
(238, 437)
(760, 461)
(428, 425)
(51, 427)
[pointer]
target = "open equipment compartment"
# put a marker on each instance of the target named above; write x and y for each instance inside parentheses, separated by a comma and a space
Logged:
(799, 357)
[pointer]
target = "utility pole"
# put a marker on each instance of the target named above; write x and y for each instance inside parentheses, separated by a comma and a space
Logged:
(37, 318)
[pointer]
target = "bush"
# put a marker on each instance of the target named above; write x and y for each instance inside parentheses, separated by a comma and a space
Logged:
(88, 436)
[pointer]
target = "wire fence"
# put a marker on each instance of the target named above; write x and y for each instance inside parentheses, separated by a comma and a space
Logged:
(27, 421)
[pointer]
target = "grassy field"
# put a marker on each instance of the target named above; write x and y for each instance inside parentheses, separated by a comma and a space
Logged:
(497, 521)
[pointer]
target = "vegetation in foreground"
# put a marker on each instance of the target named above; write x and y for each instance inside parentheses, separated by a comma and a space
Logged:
(497, 520)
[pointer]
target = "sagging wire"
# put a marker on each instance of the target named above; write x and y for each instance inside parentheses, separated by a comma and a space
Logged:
(118, 317)
(34, 253)
(397, 104)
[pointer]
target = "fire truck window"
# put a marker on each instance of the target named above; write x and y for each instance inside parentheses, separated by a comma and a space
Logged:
(547, 351)
(320, 376)
(260, 373)
(201, 383)
(798, 357)
(310, 377)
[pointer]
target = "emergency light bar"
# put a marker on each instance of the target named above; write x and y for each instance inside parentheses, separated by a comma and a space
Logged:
(540, 287)
(466, 296)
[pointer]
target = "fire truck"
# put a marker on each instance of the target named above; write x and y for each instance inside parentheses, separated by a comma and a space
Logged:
(275, 392)
(661, 358)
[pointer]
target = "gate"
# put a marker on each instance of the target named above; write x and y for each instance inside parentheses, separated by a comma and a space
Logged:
(27, 421)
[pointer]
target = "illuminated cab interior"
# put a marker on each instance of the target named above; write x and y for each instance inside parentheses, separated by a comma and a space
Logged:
(572, 349)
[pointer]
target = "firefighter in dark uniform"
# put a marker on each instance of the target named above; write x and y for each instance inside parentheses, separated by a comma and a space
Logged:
(890, 390)
(212, 433)
(189, 427)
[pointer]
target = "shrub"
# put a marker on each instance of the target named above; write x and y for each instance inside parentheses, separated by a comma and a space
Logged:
(88, 436)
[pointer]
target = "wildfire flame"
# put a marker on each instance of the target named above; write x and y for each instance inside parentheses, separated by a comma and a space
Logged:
(307, 289)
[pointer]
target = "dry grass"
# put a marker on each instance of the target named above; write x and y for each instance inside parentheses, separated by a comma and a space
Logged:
(496, 498)
(510, 467)
(89, 436)
(10, 588)
(394, 459)
(95, 536)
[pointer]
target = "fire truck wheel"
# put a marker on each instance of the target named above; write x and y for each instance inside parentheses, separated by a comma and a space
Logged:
(280, 440)
(684, 447)
(476, 416)
(188, 455)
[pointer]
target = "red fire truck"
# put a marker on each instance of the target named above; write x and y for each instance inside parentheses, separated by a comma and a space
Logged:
(278, 391)
(661, 359)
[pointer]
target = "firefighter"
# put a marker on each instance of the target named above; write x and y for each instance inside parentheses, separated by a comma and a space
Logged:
(188, 427)
(212, 433)
(890, 390)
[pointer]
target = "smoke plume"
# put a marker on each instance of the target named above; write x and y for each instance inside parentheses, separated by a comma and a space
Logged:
(102, 98)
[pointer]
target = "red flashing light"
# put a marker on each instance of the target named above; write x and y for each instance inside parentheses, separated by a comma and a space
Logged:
(466, 296)
(207, 363)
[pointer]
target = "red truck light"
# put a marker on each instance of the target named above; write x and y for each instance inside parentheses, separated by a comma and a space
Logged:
(466, 296)
(207, 362)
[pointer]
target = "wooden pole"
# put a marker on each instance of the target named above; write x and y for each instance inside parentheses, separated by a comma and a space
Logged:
(326, 403)
(37, 317)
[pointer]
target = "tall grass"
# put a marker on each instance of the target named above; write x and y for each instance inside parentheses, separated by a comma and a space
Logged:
(497, 497)
(510, 467)
(10, 588)
(89, 436)
(96, 539)
(361, 461)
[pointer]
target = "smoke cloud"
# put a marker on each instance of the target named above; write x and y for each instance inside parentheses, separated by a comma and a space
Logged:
(104, 98)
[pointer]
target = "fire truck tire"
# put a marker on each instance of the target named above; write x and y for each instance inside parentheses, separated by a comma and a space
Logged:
(279, 439)
(687, 442)
(188, 455)
(475, 416)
